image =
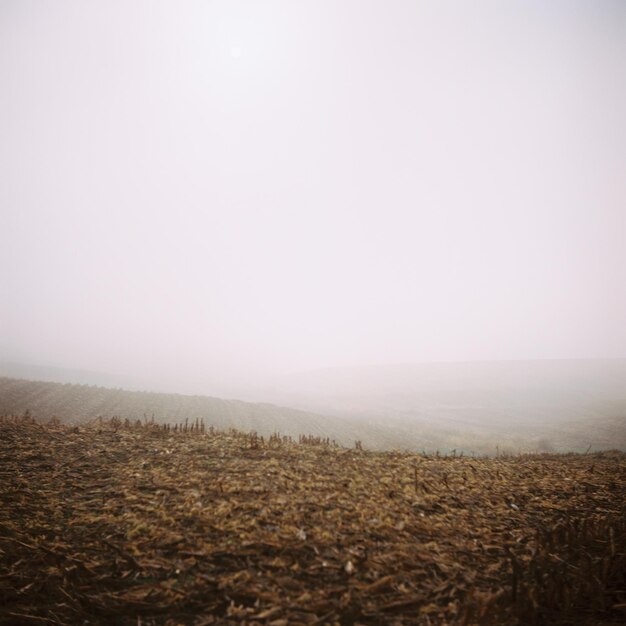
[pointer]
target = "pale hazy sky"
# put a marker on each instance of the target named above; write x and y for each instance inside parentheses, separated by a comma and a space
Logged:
(215, 190)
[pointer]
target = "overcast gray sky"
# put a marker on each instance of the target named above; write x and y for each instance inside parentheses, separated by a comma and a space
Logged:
(217, 191)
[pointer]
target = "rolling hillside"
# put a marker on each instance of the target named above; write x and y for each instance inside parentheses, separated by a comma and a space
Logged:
(520, 420)
(81, 403)
(557, 404)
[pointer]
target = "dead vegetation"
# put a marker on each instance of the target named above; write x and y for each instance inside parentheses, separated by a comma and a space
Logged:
(139, 523)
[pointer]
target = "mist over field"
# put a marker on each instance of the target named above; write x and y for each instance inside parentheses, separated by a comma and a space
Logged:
(476, 407)
(313, 312)
(407, 218)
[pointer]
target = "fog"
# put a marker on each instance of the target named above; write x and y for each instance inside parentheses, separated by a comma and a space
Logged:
(209, 197)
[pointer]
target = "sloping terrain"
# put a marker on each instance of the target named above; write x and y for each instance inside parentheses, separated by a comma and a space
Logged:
(81, 403)
(113, 523)
(559, 405)
(385, 430)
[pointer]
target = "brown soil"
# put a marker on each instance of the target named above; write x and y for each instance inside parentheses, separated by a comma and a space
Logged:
(120, 524)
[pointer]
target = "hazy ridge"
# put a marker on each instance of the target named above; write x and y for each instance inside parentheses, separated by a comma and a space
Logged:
(475, 408)
(80, 403)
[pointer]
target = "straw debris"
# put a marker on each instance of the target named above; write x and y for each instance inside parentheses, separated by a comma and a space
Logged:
(144, 523)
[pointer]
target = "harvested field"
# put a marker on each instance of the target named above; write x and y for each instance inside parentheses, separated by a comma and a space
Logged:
(114, 523)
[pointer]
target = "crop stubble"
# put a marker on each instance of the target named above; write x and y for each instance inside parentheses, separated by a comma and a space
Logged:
(138, 524)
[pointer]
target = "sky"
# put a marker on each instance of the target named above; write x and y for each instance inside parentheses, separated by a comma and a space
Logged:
(214, 192)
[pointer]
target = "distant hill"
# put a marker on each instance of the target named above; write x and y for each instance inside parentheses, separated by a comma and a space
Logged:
(52, 373)
(561, 404)
(80, 403)
(481, 409)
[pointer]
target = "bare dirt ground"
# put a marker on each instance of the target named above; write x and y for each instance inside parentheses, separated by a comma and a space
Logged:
(138, 524)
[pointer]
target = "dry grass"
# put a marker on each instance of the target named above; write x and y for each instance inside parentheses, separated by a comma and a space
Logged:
(147, 524)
